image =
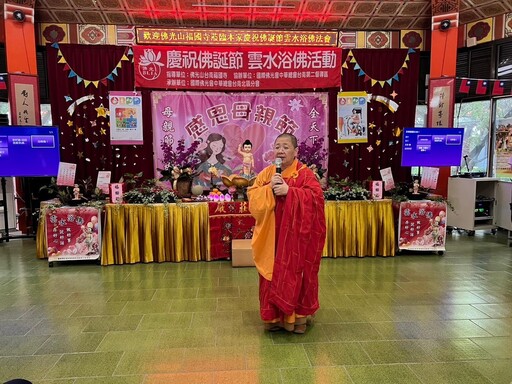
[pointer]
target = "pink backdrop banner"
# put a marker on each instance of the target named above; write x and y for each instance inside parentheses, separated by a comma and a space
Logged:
(236, 117)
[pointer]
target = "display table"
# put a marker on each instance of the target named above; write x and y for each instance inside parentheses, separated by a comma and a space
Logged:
(359, 228)
(136, 233)
(422, 226)
(228, 221)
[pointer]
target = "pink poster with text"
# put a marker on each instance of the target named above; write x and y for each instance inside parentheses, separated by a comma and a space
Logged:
(230, 119)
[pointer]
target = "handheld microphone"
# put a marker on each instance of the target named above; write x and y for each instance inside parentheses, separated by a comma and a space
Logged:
(279, 163)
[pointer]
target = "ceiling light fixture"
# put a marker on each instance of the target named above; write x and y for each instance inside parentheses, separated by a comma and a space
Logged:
(277, 6)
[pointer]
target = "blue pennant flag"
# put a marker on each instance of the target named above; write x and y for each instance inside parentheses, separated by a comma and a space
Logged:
(114, 71)
(55, 45)
(395, 77)
(71, 74)
(389, 81)
(110, 77)
(78, 79)
(411, 50)
(130, 52)
(356, 66)
(361, 73)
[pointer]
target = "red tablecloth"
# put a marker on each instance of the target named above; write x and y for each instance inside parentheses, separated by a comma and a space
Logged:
(228, 220)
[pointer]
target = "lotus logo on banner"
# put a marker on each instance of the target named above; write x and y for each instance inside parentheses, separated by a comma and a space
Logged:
(149, 64)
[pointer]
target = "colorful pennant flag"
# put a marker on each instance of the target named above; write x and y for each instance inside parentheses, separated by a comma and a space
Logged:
(481, 87)
(3, 84)
(357, 67)
(498, 88)
(95, 83)
(465, 85)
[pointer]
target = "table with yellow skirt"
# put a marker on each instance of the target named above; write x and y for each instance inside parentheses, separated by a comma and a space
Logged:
(135, 233)
(359, 228)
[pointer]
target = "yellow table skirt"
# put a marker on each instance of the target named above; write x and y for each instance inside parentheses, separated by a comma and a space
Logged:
(359, 228)
(155, 233)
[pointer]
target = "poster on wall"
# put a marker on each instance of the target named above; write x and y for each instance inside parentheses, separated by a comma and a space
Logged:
(441, 104)
(222, 122)
(503, 147)
(24, 100)
(125, 118)
(352, 117)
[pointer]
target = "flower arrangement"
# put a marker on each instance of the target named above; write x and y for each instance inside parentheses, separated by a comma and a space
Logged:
(345, 190)
(179, 162)
(149, 193)
(314, 156)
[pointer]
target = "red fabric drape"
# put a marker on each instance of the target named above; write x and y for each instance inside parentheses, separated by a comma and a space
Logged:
(355, 160)
(91, 151)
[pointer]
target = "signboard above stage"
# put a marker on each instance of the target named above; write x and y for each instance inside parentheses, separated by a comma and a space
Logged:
(237, 68)
(192, 36)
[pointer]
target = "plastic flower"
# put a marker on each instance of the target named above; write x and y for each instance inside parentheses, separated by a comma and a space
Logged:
(313, 155)
(180, 161)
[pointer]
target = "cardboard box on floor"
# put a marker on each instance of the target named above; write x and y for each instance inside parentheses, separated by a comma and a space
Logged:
(241, 253)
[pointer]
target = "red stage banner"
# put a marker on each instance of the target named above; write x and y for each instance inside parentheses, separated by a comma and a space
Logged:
(237, 68)
(73, 233)
(422, 226)
(228, 221)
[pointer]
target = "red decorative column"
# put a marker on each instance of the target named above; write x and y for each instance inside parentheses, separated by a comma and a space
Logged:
(443, 63)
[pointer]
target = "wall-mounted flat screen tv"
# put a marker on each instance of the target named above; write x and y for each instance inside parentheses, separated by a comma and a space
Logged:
(29, 151)
(432, 147)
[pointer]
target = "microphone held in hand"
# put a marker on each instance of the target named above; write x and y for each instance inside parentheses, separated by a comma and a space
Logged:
(279, 163)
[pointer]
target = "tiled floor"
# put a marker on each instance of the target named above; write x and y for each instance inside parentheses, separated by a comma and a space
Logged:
(419, 318)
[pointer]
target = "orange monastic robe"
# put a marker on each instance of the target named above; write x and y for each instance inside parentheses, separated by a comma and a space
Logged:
(288, 241)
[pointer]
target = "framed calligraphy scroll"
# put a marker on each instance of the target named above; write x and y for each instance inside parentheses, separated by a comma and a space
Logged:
(24, 99)
(441, 99)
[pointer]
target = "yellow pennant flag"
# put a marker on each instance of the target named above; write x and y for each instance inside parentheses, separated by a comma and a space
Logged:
(353, 60)
(124, 58)
(86, 83)
(405, 65)
(59, 53)
(62, 60)
(374, 82)
(382, 82)
(96, 83)
(345, 65)
(119, 65)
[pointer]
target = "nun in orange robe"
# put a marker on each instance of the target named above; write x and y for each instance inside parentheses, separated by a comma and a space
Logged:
(287, 244)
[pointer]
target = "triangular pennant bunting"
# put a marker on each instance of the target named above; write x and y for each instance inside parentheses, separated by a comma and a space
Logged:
(80, 79)
(357, 67)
